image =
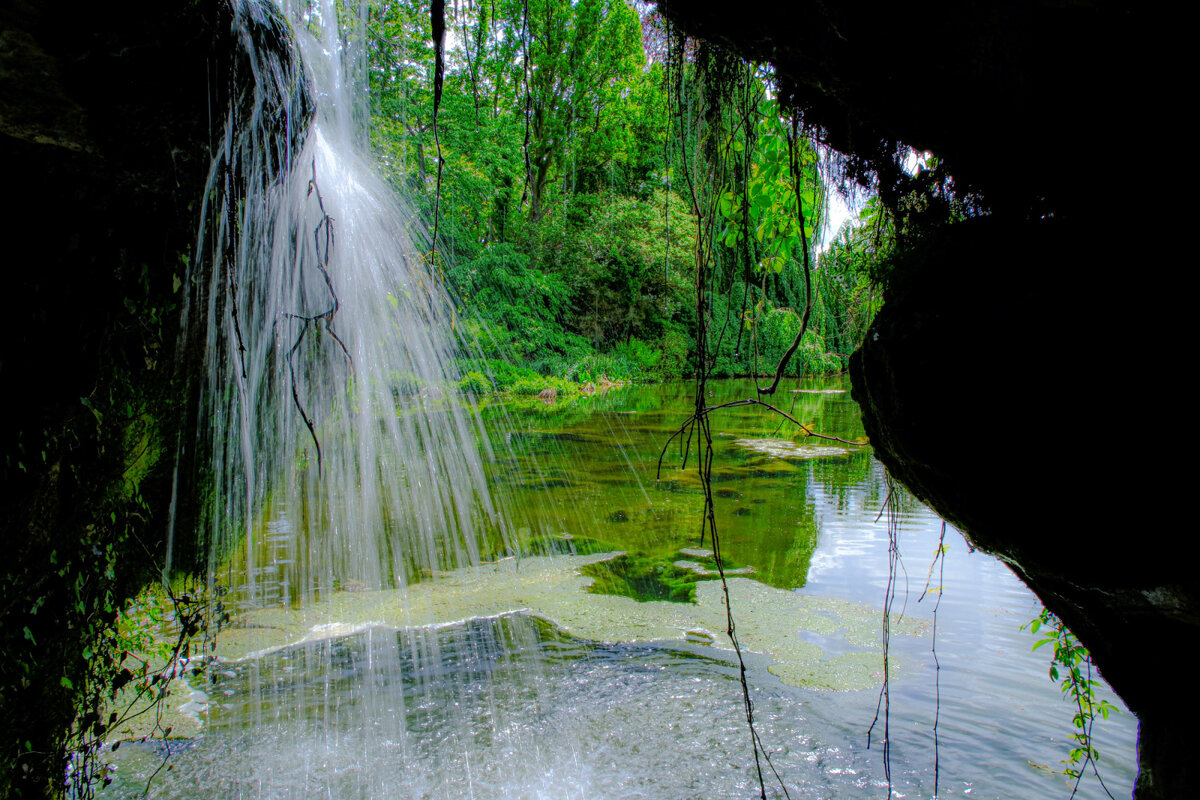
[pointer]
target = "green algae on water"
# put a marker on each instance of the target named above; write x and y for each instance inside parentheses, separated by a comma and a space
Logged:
(770, 621)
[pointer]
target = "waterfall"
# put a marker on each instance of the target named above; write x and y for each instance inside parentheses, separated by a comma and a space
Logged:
(341, 455)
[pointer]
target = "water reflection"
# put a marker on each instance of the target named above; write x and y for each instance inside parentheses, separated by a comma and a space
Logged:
(511, 707)
(597, 475)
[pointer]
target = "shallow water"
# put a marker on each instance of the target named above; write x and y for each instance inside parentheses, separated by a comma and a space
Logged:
(512, 706)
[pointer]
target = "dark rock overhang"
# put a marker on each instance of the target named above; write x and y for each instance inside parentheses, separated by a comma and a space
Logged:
(1029, 102)
(1035, 106)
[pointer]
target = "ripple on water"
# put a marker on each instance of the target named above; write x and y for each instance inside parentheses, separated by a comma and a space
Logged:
(512, 708)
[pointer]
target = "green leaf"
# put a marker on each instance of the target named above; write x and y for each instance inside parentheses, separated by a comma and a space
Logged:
(65, 682)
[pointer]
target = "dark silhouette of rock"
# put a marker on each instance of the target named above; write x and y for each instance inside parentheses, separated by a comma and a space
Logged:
(1051, 300)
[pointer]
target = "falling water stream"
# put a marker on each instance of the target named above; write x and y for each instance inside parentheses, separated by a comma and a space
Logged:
(321, 313)
(412, 583)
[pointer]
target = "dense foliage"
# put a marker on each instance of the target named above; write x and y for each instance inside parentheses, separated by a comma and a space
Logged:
(568, 224)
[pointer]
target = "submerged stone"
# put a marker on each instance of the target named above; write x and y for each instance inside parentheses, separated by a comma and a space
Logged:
(708, 572)
(141, 715)
(786, 448)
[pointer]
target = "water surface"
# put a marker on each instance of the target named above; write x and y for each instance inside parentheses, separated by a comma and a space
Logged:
(438, 701)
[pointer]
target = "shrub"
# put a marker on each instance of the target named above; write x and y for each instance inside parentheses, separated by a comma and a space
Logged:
(640, 356)
(673, 362)
(512, 308)
(503, 374)
(475, 382)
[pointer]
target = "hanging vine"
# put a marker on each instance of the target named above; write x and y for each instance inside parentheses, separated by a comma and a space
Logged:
(1071, 667)
(794, 165)
(437, 20)
(939, 561)
(706, 157)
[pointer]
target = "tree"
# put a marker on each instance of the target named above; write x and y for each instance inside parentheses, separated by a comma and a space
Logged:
(582, 58)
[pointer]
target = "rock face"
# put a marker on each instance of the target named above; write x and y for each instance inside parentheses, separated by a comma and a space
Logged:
(108, 117)
(104, 141)
(992, 382)
(1024, 99)
(1000, 412)
(105, 146)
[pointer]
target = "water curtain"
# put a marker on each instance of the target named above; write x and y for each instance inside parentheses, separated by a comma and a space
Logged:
(339, 458)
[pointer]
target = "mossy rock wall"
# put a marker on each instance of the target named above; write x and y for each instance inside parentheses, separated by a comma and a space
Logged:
(108, 119)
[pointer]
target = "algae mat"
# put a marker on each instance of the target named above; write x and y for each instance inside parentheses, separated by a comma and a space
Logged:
(781, 625)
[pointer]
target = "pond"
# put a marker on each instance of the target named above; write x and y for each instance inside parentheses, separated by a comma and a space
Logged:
(585, 655)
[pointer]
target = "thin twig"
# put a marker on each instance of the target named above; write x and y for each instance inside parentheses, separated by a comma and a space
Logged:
(323, 234)
(231, 280)
(296, 394)
(1090, 719)
(190, 619)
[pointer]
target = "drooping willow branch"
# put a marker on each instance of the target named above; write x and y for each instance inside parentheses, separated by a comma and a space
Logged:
(324, 230)
(231, 278)
(231, 282)
(748, 102)
(883, 705)
(939, 560)
(308, 423)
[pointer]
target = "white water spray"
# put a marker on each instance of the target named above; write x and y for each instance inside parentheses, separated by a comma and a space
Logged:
(340, 457)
